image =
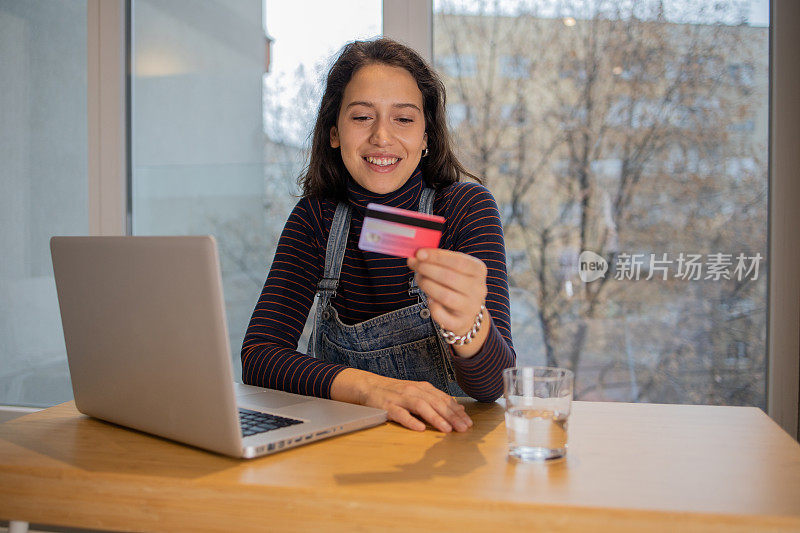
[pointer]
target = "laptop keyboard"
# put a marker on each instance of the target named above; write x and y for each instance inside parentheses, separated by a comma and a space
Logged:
(254, 422)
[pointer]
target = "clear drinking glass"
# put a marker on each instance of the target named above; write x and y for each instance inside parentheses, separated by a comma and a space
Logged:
(538, 404)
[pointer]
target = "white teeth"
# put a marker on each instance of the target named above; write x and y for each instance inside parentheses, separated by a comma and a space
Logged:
(382, 161)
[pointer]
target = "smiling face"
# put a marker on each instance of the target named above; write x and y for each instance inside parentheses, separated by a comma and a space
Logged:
(381, 127)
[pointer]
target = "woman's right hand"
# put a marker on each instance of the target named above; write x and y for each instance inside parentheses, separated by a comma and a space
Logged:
(409, 403)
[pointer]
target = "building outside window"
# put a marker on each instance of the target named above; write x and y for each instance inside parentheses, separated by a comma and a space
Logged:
(644, 143)
(457, 65)
(514, 67)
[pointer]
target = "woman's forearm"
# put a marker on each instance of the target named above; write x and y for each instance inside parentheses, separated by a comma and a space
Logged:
(350, 385)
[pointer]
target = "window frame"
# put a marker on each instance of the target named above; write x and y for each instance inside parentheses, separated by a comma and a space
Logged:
(783, 311)
(410, 22)
(108, 88)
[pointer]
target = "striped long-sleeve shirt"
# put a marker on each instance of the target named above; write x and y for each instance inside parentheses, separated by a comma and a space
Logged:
(372, 284)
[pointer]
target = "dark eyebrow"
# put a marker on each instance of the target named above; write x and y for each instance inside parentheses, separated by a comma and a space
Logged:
(370, 104)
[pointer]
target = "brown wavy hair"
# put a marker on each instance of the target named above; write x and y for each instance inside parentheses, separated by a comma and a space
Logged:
(326, 175)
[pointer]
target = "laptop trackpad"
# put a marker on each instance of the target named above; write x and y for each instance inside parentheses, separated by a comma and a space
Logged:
(269, 399)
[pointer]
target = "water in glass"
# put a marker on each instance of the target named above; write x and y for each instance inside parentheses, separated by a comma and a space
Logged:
(536, 434)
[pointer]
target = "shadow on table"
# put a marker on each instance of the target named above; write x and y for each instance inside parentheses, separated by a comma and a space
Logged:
(96, 446)
(453, 455)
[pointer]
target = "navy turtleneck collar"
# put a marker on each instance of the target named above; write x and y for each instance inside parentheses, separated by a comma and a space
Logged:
(406, 197)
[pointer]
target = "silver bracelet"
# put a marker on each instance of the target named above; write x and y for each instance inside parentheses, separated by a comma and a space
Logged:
(461, 340)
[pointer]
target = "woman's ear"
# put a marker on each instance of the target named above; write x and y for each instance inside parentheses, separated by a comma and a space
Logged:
(425, 138)
(335, 137)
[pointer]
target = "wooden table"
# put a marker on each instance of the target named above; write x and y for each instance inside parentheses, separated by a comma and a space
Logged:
(630, 467)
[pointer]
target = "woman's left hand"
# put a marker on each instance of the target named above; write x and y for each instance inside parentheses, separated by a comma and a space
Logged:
(455, 284)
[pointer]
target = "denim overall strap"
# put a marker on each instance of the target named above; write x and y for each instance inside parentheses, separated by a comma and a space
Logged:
(326, 288)
(426, 201)
(337, 243)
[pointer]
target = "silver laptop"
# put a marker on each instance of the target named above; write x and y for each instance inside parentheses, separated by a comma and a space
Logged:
(147, 345)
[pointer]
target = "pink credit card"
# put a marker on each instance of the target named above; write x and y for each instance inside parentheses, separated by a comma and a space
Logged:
(399, 232)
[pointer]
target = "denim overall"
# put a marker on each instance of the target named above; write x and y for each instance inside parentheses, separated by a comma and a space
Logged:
(401, 344)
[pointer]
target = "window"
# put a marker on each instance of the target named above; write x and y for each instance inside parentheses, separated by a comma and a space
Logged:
(514, 67)
(457, 66)
(742, 74)
(628, 153)
(43, 150)
(514, 113)
(220, 125)
(571, 69)
(213, 150)
(720, 179)
(457, 114)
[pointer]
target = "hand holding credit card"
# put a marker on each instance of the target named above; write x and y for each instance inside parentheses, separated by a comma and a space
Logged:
(399, 232)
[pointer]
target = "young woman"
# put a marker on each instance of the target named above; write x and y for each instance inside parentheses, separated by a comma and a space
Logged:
(381, 322)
